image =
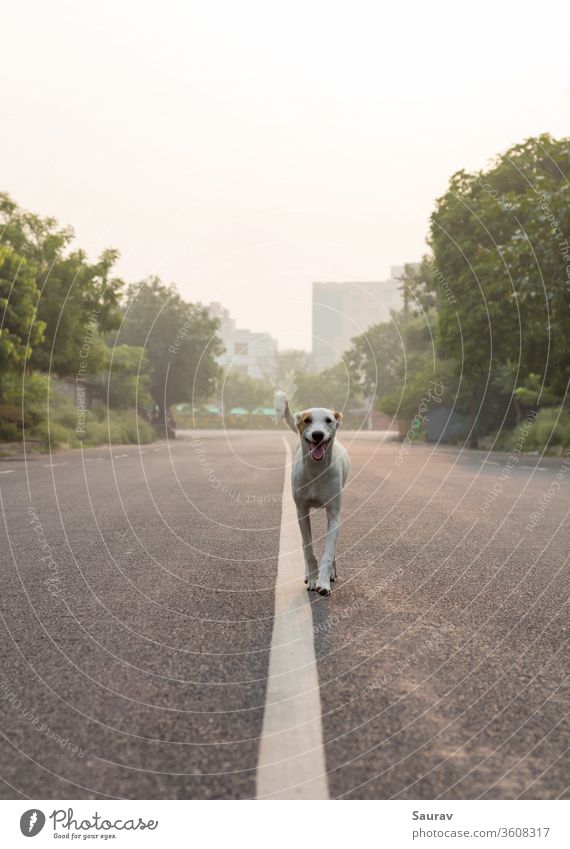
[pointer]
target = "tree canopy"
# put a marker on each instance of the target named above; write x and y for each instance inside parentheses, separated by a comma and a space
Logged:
(20, 331)
(494, 292)
(74, 319)
(180, 340)
(500, 243)
(68, 293)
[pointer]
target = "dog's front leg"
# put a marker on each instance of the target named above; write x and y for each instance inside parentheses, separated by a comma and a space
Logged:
(327, 563)
(311, 571)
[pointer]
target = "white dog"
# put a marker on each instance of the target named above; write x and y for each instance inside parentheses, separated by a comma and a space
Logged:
(320, 470)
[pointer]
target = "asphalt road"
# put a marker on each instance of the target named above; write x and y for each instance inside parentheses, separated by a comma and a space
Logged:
(137, 594)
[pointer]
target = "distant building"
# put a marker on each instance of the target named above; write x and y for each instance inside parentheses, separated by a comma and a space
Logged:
(246, 352)
(342, 311)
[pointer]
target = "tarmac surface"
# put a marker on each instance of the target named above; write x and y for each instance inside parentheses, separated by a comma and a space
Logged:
(137, 589)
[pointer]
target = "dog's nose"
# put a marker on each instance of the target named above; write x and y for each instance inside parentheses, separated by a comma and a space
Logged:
(317, 436)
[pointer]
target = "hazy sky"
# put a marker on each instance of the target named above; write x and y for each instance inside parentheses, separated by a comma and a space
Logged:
(244, 149)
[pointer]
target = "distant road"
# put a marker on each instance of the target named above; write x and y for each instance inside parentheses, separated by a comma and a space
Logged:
(138, 594)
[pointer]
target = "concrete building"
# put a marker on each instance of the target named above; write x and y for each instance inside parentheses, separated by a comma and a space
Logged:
(246, 352)
(344, 310)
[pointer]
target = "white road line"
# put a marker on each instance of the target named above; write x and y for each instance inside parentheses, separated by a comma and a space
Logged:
(7, 471)
(53, 465)
(291, 756)
(118, 456)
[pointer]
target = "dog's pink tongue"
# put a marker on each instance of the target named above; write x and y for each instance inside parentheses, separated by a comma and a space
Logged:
(318, 451)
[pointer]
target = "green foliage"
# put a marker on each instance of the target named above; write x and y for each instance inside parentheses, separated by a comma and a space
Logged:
(291, 362)
(552, 429)
(29, 393)
(374, 357)
(179, 339)
(9, 431)
(496, 290)
(20, 332)
(534, 393)
(550, 433)
(405, 403)
(102, 426)
(28, 388)
(79, 301)
(333, 388)
(40, 240)
(124, 381)
(116, 426)
(58, 311)
(417, 287)
(75, 299)
(498, 238)
(240, 390)
(47, 412)
(396, 362)
(486, 315)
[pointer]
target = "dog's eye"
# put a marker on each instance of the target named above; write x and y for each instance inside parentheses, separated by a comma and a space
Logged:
(328, 421)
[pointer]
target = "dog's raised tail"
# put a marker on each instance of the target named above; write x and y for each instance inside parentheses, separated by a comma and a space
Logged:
(282, 411)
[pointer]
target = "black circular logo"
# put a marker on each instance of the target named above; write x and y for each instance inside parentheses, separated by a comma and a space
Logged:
(32, 822)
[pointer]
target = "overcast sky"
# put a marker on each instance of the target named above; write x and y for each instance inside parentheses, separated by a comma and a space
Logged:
(245, 149)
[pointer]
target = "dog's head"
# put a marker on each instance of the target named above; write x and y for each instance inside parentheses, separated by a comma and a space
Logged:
(317, 428)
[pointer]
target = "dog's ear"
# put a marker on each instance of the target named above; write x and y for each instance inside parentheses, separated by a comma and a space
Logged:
(302, 420)
(338, 417)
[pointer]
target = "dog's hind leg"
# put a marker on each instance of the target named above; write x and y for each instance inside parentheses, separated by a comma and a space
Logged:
(333, 573)
(311, 565)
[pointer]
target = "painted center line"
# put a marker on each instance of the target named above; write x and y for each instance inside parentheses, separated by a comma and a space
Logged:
(118, 456)
(291, 755)
(7, 471)
(53, 465)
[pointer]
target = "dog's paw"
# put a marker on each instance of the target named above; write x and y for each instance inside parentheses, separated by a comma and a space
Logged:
(323, 588)
(311, 582)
